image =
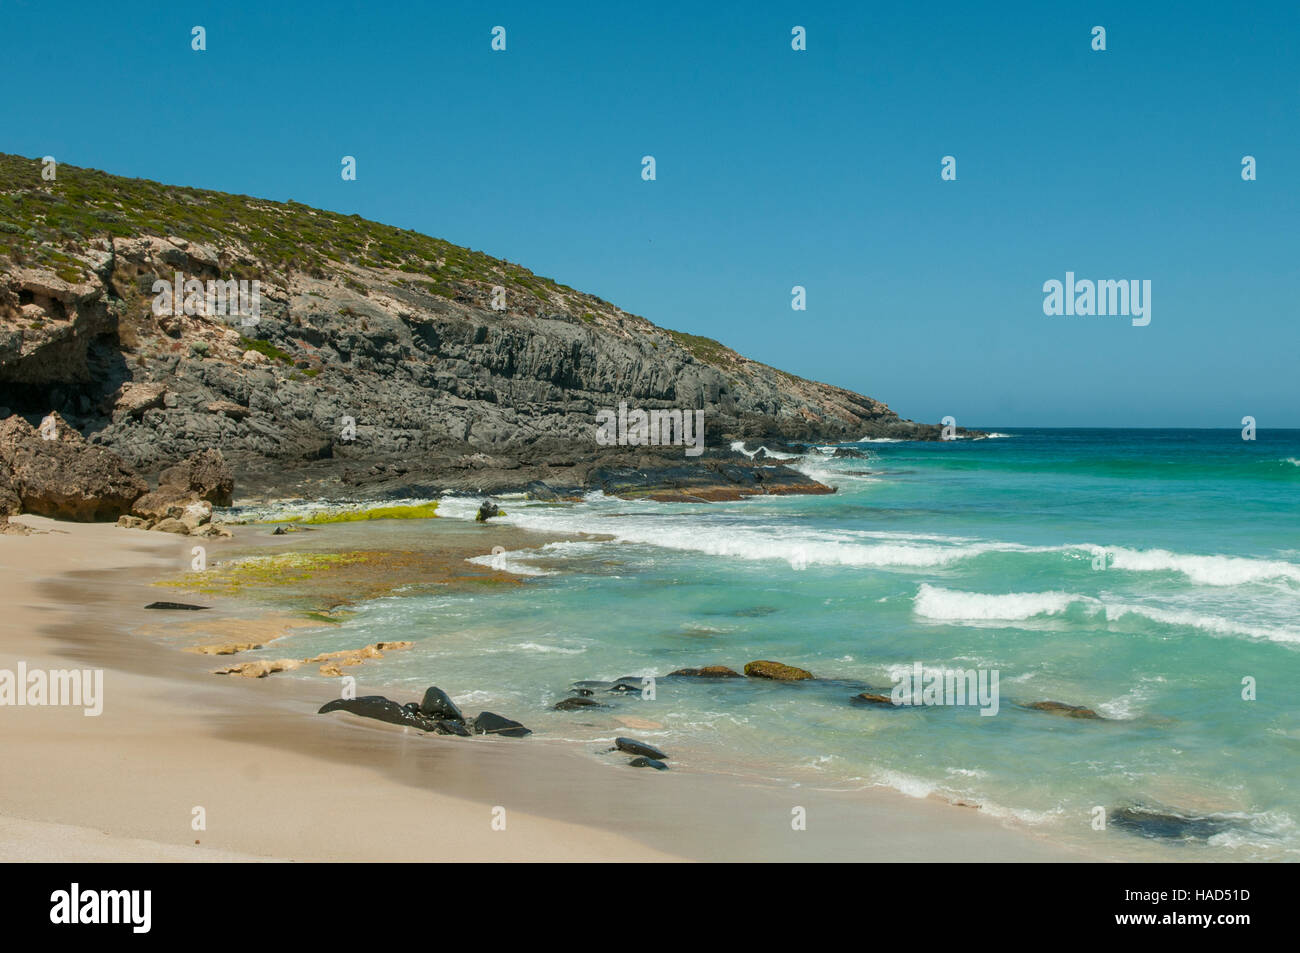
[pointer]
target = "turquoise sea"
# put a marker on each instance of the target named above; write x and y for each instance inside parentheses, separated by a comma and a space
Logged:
(1148, 575)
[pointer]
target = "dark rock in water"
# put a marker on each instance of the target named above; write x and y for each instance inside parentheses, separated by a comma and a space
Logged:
(708, 671)
(778, 671)
(588, 686)
(648, 763)
(581, 692)
(537, 490)
(632, 746)
(487, 509)
(381, 709)
(573, 704)
(437, 704)
(445, 727)
(490, 723)
(849, 453)
(1060, 708)
(1167, 825)
(174, 605)
(875, 698)
(628, 684)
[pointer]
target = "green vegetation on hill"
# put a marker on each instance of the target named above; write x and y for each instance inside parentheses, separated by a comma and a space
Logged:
(41, 221)
(38, 217)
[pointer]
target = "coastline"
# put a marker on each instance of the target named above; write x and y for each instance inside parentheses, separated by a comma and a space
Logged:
(278, 781)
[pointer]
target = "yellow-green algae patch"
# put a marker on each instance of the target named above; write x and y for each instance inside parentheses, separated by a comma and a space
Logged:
(321, 582)
(418, 511)
(233, 576)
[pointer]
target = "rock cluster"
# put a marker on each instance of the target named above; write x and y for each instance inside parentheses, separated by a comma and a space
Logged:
(52, 470)
(436, 713)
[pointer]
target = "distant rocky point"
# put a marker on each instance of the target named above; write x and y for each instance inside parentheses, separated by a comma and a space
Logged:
(377, 361)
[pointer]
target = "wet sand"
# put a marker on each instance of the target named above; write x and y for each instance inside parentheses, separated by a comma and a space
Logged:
(279, 782)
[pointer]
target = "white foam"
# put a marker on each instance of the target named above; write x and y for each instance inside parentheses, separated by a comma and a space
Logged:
(1202, 570)
(975, 608)
(932, 602)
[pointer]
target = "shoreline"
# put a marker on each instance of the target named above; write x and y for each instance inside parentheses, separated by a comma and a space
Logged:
(279, 781)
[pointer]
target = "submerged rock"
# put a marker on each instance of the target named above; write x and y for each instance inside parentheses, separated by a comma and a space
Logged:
(437, 704)
(777, 671)
(573, 704)
(1060, 708)
(1167, 825)
(632, 746)
(490, 723)
(648, 763)
(708, 671)
(875, 698)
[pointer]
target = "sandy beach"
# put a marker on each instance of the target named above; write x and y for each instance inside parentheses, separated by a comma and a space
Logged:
(277, 782)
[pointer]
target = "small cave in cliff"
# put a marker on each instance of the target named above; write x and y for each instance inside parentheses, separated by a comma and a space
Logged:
(78, 382)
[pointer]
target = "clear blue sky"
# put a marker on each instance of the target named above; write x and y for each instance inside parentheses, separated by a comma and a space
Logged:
(775, 168)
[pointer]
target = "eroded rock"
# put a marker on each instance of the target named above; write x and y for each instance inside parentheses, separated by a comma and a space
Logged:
(778, 671)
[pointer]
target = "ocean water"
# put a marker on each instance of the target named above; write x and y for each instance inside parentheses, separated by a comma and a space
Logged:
(1143, 574)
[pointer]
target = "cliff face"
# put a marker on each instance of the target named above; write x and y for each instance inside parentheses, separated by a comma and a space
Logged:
(376, 354)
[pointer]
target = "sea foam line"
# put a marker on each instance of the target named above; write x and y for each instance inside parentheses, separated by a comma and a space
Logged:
(950, 605)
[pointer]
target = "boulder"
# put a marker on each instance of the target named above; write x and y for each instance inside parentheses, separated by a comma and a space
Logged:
(708, 671)
(632, 746)
(776, 670)
(10, 504)
(487, 509)
(54, 472)
(445, 726)
(648, 763)
(132, 399)
(489, 723)
(437, 704)
(204, 474)
(381, 709)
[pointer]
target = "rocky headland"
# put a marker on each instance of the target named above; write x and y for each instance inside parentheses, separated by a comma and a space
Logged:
(376, 362)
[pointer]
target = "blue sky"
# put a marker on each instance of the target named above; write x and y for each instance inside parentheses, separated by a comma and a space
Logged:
(775, 168)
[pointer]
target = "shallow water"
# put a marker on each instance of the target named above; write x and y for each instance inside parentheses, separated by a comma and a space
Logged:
(1142, 574)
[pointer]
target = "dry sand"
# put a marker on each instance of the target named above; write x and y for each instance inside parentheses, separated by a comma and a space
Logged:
(278, 782)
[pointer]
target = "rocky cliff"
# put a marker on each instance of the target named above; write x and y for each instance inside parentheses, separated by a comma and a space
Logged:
(375, 359)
